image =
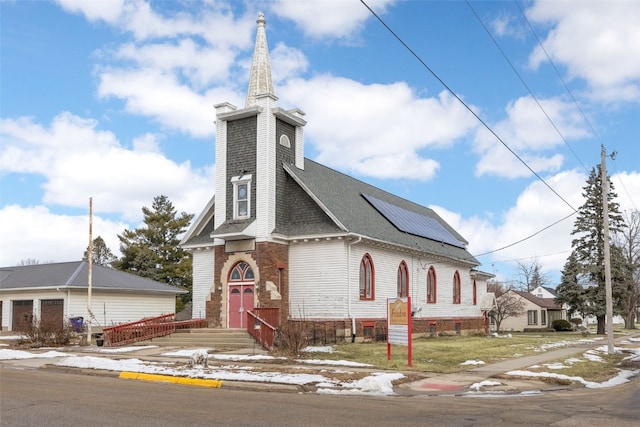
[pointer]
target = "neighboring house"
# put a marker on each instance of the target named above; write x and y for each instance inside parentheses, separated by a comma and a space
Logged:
(287, 233)
(547, 292)
(538, 312)
(544, 292)
(58, 292)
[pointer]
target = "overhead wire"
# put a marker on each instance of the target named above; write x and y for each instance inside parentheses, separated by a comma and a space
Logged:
(446, 86)
(575, 101)
(535, 98)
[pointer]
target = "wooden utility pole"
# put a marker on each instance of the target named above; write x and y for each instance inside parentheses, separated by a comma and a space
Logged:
(90, 268)
(607, 251)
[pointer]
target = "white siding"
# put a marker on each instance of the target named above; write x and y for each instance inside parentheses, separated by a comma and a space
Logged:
(319, 285)
(203, 282)
(109, 308)
(318, 280)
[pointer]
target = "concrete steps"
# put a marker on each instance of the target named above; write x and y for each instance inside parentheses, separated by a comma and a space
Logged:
(218, 339)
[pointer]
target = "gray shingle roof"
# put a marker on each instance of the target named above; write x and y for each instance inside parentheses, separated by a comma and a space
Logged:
(341, 196)
(74, 275)
(338, 197)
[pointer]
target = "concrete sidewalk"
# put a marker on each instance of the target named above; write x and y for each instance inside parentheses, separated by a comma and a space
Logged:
(430, 384)
(460, 382)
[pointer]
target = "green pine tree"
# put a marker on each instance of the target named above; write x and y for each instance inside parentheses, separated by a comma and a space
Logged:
(153, 250)
(588, 245)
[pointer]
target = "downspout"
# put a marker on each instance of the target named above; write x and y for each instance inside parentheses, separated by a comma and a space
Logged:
(353, 319)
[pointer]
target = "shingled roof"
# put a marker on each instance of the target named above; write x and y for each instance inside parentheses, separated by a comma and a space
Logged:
(74, 275)
(342, 197)
(339, 198)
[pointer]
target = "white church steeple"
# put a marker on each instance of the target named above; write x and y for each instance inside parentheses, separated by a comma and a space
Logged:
(260, 81)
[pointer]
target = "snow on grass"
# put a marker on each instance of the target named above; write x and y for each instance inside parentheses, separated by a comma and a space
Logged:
(486, 383)
(472, 362)
(244, 357)
(126, 349)
(333, 362)
(622, 377)
(378, 383)
(185, 352)
(6, 354)
(318, 349)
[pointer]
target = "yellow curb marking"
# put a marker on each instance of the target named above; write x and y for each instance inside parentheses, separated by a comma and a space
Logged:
(170, 379)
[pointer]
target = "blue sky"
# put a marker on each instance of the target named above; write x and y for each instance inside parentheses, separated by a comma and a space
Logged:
(114, 100)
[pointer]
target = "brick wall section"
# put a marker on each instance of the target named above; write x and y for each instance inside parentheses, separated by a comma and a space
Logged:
(269, 256)
(214, 307)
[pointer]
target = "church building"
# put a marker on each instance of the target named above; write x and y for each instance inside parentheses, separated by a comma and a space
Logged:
(313, 244)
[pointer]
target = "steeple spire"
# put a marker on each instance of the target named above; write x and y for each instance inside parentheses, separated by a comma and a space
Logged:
(260, 82)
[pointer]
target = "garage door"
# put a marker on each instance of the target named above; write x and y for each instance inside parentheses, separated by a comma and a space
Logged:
(52, 312)
(22, 315)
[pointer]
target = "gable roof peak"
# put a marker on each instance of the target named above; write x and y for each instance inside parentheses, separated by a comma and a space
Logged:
(260, 80)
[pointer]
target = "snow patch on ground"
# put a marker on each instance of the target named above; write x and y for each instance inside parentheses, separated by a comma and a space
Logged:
(472, 362)
(19, 354)
(486, 383)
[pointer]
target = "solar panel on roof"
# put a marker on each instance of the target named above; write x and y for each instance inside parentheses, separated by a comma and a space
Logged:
(413, 223)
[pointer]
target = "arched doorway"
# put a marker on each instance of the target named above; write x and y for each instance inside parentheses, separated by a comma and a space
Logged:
(241, 294)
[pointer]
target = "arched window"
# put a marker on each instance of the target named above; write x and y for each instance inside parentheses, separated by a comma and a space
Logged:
(241, 272)
(456, 288)
(403, 280)
(367, 280)
(431, 285)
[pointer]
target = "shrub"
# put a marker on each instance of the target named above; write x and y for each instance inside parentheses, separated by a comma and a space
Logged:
(561, 325)
(291, 338)
(576, 321)
(39, 333)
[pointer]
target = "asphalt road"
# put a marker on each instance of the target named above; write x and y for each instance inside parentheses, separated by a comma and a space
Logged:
(51, 398)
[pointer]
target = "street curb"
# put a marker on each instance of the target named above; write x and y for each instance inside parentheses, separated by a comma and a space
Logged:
(170, 379)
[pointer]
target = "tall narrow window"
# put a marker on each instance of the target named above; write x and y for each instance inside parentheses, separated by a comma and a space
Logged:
(367, 284)
(241, 196)
(475, 293)
(456, 288)
(403, 280)
(532, 317)
(431, 285)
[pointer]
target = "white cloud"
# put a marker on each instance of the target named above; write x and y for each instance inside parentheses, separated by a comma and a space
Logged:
(79, 161)
(108, 11)
(598, 41)
(152, 93)
(37, 233)
(328, 19)
(383, 128)
(528, 132)
(535, 209)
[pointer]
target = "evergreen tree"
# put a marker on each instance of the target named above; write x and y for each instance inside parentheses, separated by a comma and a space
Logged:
(101, 254)
(588, 246)
(153, 250)
(570, 291)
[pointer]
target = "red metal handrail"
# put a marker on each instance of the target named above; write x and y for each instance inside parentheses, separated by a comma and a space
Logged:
(262, 324)
(148, 328)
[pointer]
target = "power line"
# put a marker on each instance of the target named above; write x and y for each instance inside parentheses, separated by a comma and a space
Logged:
(575, 101)
(528, 237)
(442, 82)
(506, 58)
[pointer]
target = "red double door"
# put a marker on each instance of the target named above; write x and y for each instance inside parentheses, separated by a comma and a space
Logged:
(240, 301)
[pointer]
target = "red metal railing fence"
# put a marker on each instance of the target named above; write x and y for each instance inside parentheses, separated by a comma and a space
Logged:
(262, 324)
(145, 329)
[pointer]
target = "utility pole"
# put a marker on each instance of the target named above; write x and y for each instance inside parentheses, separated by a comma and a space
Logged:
(90, 273)
(607, 250)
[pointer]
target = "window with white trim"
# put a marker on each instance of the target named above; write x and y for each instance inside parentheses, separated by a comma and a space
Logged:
(241, 196)
(532, 317)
